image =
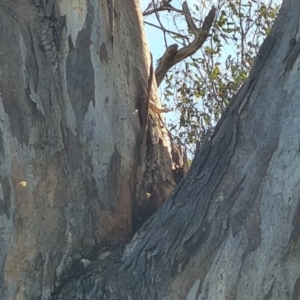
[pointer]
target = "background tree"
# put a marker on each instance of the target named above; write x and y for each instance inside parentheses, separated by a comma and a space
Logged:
(201, 87)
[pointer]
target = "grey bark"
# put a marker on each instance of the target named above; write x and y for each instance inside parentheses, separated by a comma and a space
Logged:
(71, 76)
(230, 229)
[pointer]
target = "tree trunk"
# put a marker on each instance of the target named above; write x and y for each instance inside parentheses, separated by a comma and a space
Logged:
(72, 74)
(69, 142)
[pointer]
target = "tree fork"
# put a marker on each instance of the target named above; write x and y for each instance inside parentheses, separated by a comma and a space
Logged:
(229, 229)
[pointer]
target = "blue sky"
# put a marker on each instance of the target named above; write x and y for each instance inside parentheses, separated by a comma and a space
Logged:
(155, 35)
(156, 38)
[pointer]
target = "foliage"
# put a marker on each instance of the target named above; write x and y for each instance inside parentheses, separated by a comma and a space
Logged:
(201, 87)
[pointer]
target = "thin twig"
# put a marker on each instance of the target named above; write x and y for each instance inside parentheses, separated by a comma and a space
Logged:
(148, 12)
(167, 30)
(169, 59)
(160, 23)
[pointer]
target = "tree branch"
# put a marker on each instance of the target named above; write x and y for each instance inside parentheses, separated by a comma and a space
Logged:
(163, 7)
(189, 19)
(158, 20)
(166, 30)
(167, 61)
(170, 58)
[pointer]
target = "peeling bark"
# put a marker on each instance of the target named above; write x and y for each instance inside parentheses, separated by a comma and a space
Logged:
(71, 76)
(229, 229)
(68, 146)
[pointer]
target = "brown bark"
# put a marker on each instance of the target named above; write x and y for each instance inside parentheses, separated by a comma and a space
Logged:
(71, 76)
(69, 141)
(230, 228)
(173, 55)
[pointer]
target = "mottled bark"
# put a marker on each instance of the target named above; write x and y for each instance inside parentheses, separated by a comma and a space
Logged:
(230, 229)
(71, 76)
(70, 82)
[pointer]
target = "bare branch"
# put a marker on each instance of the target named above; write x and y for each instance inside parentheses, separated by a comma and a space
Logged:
(145, 13)
(200, 38)
(167, 30)
(189, 19)
(172, 55)
(160, 23)
(166, 63)
(163, 7)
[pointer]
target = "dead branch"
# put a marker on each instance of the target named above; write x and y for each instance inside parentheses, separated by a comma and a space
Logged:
(167, 30)
(166, 63)
(188, 17)
(172, 55)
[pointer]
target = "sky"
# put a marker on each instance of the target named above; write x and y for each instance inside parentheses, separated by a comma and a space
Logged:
(155, 35)
(156, 39)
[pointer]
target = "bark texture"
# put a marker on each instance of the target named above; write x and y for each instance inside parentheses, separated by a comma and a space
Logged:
(230, 230)
(71, 73)
(71, 76)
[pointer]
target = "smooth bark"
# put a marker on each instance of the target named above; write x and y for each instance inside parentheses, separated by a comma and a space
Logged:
(230, 230)
(69, 148)
(71, 77)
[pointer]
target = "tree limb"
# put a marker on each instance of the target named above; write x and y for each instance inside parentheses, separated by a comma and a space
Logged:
(189, 19)
(172, 56)
(166, 63)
